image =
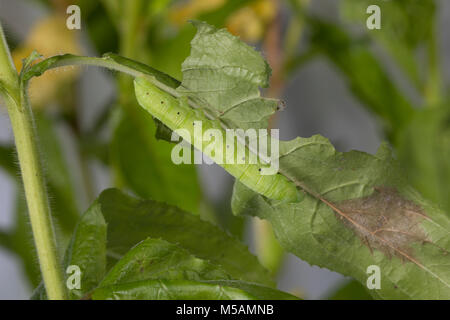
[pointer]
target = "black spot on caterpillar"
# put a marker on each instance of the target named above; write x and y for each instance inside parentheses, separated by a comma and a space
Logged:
(176, 115)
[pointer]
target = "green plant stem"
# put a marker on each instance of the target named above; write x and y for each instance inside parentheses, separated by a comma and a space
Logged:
(269, 251)
(5, 239)
(129, 30)
(130, 46)
(32, 174)
(105, 62)
(433, 86)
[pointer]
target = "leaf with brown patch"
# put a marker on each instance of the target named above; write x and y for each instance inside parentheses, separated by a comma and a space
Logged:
(358, 211)
(385, 221)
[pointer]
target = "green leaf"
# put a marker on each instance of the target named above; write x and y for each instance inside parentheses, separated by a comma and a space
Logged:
(131, 220)
(352, 290)
(162, 131)
(27, 62)
(358, 211)
(87, 250)
(144, 164)
(154, 259)
(223, 75)
(191, 290)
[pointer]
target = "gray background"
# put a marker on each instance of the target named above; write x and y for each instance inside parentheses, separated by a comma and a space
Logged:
(318, 102)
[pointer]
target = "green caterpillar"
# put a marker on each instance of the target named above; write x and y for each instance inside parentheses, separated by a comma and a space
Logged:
(176, 115)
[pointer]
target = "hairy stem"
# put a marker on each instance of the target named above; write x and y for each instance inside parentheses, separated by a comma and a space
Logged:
(32, 174)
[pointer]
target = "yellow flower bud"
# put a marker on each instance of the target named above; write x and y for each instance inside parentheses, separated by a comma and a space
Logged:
(248, 22)
(191, 9)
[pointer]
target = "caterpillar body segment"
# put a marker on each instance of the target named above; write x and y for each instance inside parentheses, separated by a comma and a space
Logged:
(179, 117)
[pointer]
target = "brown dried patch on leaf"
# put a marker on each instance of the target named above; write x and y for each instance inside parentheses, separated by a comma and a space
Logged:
(385, 221)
